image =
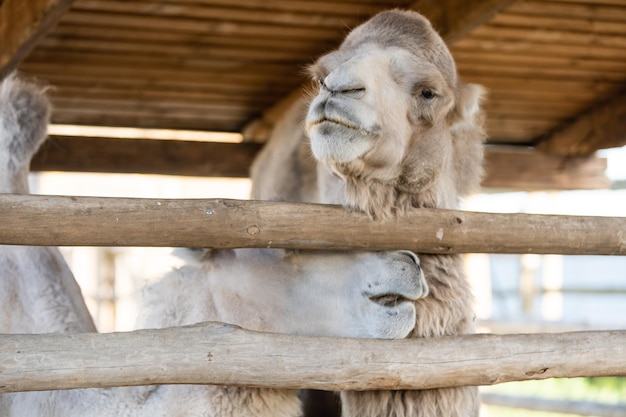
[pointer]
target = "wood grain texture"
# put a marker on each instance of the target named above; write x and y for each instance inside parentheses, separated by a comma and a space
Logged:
(171, 157)
(217, 223)
(22, 25)
(505, 167)
(603, 126)
(532, 170)
(454, 19)
(215, 353)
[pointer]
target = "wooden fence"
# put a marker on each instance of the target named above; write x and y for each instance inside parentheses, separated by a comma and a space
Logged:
(222, 354)
(217, 223)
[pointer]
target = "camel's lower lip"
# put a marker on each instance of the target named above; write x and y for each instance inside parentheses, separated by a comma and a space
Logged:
(328, 122)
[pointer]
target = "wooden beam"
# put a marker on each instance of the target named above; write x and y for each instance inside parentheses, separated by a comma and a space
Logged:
(505, 168)
(454, 19)
(22, 25)
(214, 353)
(145, 156)
(601, 127)
(217, 223)
(527, 169)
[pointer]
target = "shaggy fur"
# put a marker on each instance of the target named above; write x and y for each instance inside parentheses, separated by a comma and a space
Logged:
(360, 294)
(393, 129)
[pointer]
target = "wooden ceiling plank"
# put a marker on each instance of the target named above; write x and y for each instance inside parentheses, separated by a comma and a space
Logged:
(138, 73)
(22, 25)
(568, 10)
(480, 68)
(529, 48)
(201, 26)
(515, 59)
(560, 23)
(178, 50)
(548, 35)
(331, 7)
(191, 96)
(163, 37)
(603, 126)
(228, 14)
(209, 86)
(505, 168)
(529, 84)
(455, 19)
(599, 2)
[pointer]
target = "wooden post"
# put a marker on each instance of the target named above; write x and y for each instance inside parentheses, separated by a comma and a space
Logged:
(216, 223)
(214, 353)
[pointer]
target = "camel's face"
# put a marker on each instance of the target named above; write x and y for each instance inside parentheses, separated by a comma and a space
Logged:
(373, 104)
(342, 294)
(358, 294)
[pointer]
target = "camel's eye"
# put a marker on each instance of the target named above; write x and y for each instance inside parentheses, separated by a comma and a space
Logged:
(320, 82)
(427, 93)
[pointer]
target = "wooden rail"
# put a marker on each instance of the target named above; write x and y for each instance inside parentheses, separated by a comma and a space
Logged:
(215, 353)
(217, 223)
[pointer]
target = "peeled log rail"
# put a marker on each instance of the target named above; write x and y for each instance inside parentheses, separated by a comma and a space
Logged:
(215, 353)
(218, 223)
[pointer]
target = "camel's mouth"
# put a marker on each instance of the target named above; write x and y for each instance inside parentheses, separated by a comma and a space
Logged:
(389, 300)
(339, 122)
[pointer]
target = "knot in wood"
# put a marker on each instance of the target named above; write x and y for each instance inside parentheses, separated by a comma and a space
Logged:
(253, 230)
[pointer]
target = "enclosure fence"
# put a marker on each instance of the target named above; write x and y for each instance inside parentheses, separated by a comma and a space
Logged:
(216, 353)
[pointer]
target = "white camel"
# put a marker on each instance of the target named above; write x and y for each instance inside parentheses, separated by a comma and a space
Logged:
(357, 294)
(393, 129)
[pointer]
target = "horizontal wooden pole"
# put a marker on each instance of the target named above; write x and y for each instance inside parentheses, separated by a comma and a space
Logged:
(218, 223)
(506, 167)
(214, 353)
(145, 156)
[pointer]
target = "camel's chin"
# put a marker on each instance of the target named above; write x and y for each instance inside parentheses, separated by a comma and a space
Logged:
(397, 321)
(337, 142)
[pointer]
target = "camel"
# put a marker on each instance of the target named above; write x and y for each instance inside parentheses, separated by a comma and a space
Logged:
(358, 294)
(391, 128)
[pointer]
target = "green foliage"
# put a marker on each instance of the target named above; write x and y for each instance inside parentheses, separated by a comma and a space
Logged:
(610, 390)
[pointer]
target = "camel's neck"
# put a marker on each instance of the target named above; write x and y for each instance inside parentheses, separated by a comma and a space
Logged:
(383, 200)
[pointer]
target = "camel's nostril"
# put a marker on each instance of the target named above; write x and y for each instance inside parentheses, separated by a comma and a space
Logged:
(412, 256)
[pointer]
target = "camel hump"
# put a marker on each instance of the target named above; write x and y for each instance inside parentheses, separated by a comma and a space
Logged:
(24, 115)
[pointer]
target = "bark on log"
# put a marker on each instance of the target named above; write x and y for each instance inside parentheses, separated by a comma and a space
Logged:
(215, 353)
(217, 223)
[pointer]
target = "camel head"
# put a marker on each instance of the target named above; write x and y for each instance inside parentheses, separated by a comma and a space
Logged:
(388, 115)
(340, 294)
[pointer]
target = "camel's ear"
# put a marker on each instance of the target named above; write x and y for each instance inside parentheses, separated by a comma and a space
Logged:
(467, 110)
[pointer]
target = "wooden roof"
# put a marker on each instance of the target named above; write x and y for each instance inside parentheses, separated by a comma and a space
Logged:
(555, 71)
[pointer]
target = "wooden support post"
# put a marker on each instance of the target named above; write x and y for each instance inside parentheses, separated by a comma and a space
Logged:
(217, 223)
(603, 126)
(214, 353)
(22, 25)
